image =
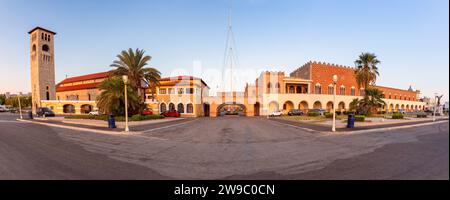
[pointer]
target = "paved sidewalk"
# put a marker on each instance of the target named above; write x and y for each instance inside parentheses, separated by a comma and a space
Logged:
(327, 128)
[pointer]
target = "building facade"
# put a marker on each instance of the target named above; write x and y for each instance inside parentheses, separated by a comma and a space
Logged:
(308, 87)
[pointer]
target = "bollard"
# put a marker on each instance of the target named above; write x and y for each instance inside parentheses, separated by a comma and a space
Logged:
(111, 121)
(30, 115)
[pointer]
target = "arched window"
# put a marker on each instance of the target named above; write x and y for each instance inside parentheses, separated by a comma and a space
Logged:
(277, 87)
(269, 87)
(34, 48)
(171, 107)
(42, 36)
(163, 107)
(362, 92)
(291, 89)
(180, 108)
(353, 91)
(190, 108)
(318, 89)
(330, 89)
(342, 90)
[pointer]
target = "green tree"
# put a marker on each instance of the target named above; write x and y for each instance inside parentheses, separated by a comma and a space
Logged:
(354, 105)
(367, 70)
(112, 98)
(132, 63)
(2, 99)
(372, 101)
(25, 102)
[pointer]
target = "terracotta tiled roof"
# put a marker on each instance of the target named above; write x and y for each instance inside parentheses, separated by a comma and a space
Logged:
(85, 77)
(180, 78)
(77, 87)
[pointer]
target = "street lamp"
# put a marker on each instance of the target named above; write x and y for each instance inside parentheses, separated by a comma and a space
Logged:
(20, 106)
(335, 78)
(125, 81)
(435, 103)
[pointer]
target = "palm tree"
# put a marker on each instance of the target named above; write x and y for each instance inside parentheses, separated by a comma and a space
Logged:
(372, 100)
(354, 105)
(112, 98)
(367, 71)
(132, 63)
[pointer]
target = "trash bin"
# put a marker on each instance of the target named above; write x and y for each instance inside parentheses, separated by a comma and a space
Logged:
(111, 121)
(30, 115)
(351, 121)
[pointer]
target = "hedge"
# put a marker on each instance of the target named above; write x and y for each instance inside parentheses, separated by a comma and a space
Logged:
(422, 115)
(118, 118)
(328, 115)
(360, 118)
(397, 116)
(313, 114)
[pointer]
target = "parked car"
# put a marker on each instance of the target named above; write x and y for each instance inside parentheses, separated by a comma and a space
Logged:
(94, 112)
(276, 114)
(320, 111)
(3, 109)
(147, 111)
(295, 112)
(173, 113)
(401, 111)
(41, 111)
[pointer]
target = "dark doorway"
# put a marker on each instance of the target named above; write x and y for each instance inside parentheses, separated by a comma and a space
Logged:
(206, 109)
(256, 108)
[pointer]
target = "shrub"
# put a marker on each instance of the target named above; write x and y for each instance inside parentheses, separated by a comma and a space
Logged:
(360, 118)
(313, 114)
(338, 112)
(422, 115)
(397, 116)
(328, 115)
(117, 118)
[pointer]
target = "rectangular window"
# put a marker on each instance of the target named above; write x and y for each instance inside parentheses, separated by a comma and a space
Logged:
(318, 89)
(162, 91)
(353, 92)
(171, 91)
(180, 90)
(342, 91)
(189, 90)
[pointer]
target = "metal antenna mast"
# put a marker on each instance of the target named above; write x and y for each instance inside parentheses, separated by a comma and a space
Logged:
(230, 57)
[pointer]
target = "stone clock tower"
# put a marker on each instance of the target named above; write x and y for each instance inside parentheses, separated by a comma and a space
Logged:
(42, 58)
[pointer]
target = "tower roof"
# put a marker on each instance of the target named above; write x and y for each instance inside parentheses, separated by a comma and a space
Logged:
(40, 28)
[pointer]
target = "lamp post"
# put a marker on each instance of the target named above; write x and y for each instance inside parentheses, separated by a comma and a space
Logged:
(125, 81)
(434, 109)
(334, 103)
(20, 107)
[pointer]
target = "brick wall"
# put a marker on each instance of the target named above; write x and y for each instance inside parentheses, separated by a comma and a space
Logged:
(394, 93)
(322, 73)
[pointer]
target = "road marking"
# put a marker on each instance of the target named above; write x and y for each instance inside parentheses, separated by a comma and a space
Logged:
(294, 126)
(6, 121)
(169, 126)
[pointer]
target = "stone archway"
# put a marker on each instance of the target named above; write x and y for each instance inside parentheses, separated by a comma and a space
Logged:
(69, 108)
(288, 105)
(273, 106)
(86, 108)
(231, 109)
(303, 106)
(341, 106)
(317, 105)
(330, 106)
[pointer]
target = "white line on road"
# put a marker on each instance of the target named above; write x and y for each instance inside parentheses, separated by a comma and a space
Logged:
(169, 126)
(6, 121)
(294, 126)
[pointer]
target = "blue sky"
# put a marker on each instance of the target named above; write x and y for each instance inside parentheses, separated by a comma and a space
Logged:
(410, 37)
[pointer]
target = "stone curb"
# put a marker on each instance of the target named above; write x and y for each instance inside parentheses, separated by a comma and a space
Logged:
(78, 128)
(384, 129)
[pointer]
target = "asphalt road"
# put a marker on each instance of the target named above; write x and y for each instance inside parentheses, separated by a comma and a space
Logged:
(221, 148)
